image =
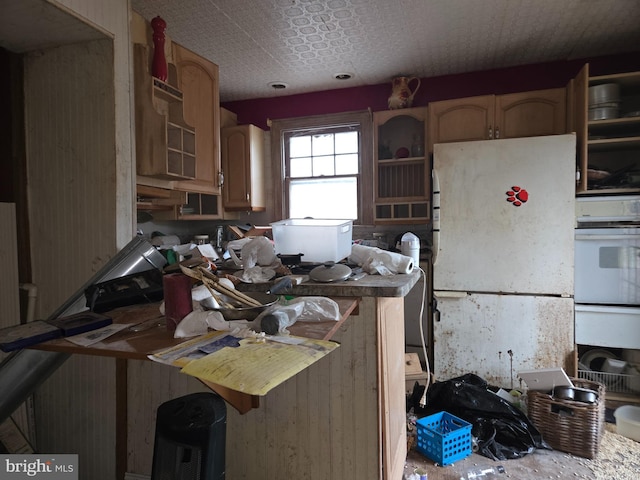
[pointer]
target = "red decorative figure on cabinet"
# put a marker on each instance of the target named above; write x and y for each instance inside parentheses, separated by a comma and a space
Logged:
(159, 66)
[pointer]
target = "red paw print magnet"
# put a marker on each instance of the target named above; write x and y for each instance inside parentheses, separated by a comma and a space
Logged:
(517, 196)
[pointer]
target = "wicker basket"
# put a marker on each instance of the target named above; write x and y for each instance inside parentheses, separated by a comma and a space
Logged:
(567, 425)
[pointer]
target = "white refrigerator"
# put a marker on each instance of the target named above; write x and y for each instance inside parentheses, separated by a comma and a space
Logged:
(503, 242)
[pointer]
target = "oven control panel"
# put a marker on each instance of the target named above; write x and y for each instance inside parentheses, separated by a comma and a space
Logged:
(608, 210)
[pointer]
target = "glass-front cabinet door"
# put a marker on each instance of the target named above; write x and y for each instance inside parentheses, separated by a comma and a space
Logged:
(402, 166)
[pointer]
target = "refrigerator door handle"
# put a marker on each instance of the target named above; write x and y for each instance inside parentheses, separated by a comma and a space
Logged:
(436, 312)
(444, 294)
(449, 294)
(435, 217)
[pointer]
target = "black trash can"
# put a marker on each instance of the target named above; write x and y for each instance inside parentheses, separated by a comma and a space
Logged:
(190, 438)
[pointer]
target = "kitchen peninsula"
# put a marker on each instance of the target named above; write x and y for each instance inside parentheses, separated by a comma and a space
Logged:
(342, 417)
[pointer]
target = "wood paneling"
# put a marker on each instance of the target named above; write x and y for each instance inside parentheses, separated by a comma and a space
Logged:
(9, 287)
(81, 185)
(75, 409)
(390, 341)
(320, 424)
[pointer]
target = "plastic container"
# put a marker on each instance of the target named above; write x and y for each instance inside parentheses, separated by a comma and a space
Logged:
(628, 421)
(318, 240)
(612, 365)
(444, 438)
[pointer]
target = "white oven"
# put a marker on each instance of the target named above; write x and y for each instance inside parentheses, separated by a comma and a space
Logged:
(607, 266)
(607, 271)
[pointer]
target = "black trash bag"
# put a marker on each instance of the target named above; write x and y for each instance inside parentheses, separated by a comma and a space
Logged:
(502, 431)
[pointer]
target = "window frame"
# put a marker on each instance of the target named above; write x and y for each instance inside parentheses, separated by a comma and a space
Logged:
(317, 123)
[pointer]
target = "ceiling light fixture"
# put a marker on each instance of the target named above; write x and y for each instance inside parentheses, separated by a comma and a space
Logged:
(278, 85)
(342, 76)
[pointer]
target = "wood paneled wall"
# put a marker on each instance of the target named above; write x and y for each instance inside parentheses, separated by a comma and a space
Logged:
(78, 122)
(321, 424)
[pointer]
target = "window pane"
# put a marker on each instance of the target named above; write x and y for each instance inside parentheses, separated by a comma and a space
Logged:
(324, 198)
(347, 164)
(347, 142)
(300, 146)
(323, 166)
(301, 167)
(322, 145)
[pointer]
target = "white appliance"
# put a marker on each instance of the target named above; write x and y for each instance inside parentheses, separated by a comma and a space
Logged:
(607, 266)
(504, 218)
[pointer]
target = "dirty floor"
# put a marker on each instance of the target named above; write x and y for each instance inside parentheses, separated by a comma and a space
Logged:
(618, 459)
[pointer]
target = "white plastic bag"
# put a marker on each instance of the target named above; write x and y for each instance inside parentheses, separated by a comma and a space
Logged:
(317, 309)
(279, 317)
(275, 319)
(259, 251)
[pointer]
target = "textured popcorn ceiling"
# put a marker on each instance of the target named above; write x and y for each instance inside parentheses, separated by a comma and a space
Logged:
(304, 43)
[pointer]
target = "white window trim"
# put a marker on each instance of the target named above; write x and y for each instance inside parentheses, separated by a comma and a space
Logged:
(364, 118)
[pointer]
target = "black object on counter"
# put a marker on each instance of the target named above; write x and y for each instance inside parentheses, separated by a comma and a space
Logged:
(290, 259)
(143, 287)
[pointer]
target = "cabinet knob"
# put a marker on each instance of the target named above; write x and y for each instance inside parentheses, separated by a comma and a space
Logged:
(220, 179)
(490, 133)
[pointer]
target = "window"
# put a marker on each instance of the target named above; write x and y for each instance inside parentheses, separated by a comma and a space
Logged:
(325, 167)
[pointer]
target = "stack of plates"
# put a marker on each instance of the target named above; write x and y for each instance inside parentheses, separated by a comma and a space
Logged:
(604, 101)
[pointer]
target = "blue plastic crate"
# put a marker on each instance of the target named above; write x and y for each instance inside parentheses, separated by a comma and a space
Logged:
(444, 438)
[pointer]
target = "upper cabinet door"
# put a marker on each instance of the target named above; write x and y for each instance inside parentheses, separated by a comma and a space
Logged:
(531, 114)
(198, 80)
(461, 120)
(243, 161)
(577, 105)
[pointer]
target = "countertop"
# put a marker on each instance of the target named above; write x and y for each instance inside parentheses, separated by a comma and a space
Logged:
(369, 286)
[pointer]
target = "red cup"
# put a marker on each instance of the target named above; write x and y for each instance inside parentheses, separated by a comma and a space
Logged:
(177, 298)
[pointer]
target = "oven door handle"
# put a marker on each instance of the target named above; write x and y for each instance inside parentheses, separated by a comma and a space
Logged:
(586, 236)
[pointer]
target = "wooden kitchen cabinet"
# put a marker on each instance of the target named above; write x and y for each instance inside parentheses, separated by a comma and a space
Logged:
(243, 168)
(155, 199)
(460, 120)
(488, 117)
(402, 168)
(165, 142)
(194, 206)
(198, 80)
(167, 204)
(608, 149)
